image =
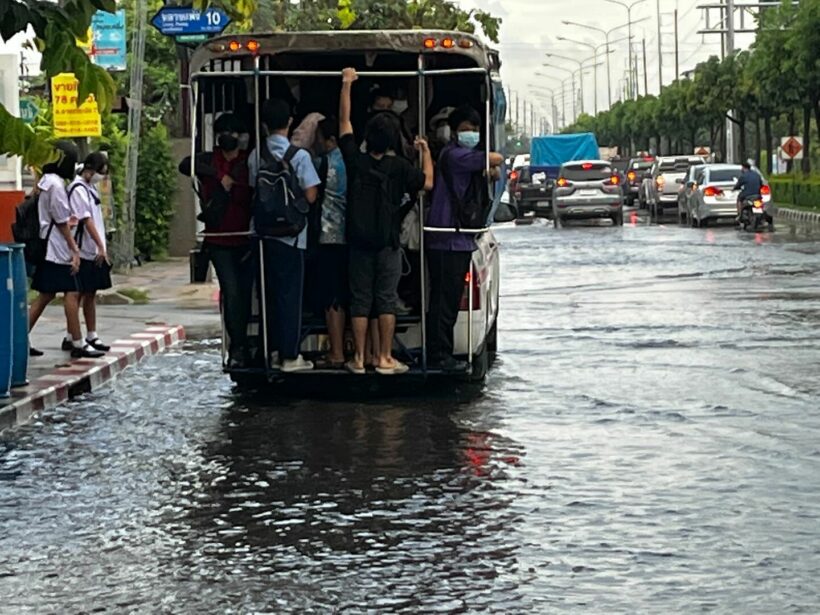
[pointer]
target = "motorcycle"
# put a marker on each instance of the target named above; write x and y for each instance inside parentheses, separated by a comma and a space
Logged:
(754, 214)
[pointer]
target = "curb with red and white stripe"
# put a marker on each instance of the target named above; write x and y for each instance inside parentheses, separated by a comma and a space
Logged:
(83, 375)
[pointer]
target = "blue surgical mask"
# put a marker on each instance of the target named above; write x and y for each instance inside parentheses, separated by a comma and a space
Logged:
(469, 138)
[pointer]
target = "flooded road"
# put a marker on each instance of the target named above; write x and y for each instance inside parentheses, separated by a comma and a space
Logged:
(649, 441)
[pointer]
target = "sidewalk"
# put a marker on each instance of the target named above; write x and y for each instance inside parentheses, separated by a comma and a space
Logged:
(174, 310)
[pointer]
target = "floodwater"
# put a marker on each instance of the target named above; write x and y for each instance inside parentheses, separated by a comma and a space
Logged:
(649, 441)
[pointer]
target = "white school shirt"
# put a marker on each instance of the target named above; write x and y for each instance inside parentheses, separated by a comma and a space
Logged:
(84, 206)
(52, 205)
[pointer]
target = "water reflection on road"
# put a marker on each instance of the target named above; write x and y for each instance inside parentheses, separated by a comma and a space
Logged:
(647, 442)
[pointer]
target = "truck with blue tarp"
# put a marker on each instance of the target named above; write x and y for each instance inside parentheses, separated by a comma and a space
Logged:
(533, 192)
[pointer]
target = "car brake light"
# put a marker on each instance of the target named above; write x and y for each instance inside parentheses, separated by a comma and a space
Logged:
(632, 176)
(613, 181)
(712, 191)
(474, 283)
(586, 166)
(648, 158)
(514, 175)
(765, 190)
(562, 182)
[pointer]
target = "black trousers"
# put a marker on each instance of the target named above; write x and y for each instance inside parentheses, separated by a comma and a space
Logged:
(234, 270)
(284, 284)
(447, 272)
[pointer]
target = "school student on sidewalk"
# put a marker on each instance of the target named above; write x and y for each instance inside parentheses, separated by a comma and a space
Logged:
(95, 268)
(460, 173)
(377, 185)
(58, 273)
(286, 187)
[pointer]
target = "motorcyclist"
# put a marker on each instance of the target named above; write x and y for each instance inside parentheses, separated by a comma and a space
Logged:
(750, 184)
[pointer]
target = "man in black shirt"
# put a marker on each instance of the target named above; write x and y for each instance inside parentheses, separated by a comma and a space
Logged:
(377, 185)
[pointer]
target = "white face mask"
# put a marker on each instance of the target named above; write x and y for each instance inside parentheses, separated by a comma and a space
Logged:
(97, 178)
(443, 133)
(400, 106)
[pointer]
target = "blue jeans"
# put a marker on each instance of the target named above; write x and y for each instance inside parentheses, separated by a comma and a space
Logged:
(284, 281)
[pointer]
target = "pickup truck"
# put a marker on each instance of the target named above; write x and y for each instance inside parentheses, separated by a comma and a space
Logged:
(534, 184)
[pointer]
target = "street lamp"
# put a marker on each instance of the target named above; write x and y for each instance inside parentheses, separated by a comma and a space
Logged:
(538, 92)
(595, 50)
(580, 64)
(563, 94)
(572, 78)
(607, 34)
(632, 71)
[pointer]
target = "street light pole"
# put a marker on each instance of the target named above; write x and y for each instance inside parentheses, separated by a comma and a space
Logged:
(632, 71)
(580, 64)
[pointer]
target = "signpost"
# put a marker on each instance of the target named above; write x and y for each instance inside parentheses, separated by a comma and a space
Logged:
(180, 20)
(791, 148)
(703, 151)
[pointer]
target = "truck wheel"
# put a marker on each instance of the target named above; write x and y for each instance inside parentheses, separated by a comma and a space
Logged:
(481, 364)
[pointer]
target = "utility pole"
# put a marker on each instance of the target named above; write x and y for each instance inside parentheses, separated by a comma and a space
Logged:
(677, 47)
(517, 109)
(660, 51)
(645, 73)
(731, 154)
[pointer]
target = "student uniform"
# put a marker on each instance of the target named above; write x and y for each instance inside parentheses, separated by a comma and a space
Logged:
(54, 275)
(84, 200)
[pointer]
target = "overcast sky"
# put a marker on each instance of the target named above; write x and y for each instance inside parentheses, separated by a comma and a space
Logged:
(530, 28)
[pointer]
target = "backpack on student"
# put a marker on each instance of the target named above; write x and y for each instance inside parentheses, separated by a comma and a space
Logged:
(26, 229)
(279, 205)
(371, 215)
(473, 209)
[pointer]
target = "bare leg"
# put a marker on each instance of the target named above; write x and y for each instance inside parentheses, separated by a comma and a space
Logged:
(387, 327)
(372, 352)
(89, 303)
(335, 319)
(72, 315)
(359, 339)
(37, 308)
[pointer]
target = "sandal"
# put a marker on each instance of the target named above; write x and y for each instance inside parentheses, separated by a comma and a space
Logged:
(355, 369)
(397, 369)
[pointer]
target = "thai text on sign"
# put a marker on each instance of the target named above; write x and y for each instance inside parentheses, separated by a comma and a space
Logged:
(71, 120)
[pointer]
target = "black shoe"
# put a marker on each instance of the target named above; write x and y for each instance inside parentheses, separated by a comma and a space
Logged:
(67, 345)
(86, 352)
(96, 344)
(451, 365)
(33, 352)
(236, 361)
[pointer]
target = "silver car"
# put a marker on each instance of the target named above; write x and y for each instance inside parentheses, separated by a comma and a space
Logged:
(715, 197)
(588, 189)
(662, 188)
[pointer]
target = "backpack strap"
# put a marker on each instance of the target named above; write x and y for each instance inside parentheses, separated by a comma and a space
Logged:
(290, 153)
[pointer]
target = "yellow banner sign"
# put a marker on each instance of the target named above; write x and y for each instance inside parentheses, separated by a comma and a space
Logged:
(69, 119)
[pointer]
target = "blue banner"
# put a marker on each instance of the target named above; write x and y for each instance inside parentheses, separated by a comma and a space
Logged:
(175, 20)
(108, 40)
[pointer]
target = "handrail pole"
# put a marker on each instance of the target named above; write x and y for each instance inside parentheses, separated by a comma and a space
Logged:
(422, 256)
(263, 290)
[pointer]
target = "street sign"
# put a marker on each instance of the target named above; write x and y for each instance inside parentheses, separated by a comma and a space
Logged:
(71, 120)
(28, 111)
(176, 20)
(791, 148)
(191, 38)
(703, 151)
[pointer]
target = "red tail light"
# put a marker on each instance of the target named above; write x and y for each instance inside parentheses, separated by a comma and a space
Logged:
(562, 182)
(765, 191)
(586, 166)
(613, 181)
(632, 176)
(648, 158)
(471, 283)
(712, 191)
(513, 175)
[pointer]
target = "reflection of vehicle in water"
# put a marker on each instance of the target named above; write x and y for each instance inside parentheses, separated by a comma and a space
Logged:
(436, 70)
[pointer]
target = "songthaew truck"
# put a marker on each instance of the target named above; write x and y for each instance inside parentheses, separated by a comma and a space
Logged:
(533, 194)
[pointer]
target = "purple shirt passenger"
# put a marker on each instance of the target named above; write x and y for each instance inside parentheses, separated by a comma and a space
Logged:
(463, 162)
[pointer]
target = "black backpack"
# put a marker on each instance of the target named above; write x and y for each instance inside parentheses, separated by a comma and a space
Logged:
(371, 216)
(279, 205)
(26, 229)
(473, 209)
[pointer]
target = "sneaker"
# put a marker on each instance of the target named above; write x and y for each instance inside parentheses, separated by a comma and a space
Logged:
(86, 352)
(96, 344)
(67, 345)
(402, 309)
(451, 365)
(33, 352)
(298, 364)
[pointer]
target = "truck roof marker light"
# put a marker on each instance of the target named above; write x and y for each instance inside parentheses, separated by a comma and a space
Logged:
(234, 45)
(448, 43)
(465, 43)
(430, 43)
(252, 46)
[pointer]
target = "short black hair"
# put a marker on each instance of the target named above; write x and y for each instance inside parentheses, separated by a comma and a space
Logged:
(276, 114)
(64, 166)
(745, 165)
(465, 113)
(329, 127)
(380, 93)
(95, 161)
(381, 133)
(229, 122)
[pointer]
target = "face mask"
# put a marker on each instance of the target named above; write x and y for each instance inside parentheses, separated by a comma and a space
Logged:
(443, 133)
(400, 106)
(227, 142)
(244, 141)
(97, 178)
(469, 138)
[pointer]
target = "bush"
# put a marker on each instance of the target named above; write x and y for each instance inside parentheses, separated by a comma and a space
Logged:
(798, 190)
(115, 142)
(156, 183)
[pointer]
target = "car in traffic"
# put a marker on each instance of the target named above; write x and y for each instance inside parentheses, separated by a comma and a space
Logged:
(714, 196)
(661, 188)
(533, 192)
(689, 183)
(637, 170)
(588, 189)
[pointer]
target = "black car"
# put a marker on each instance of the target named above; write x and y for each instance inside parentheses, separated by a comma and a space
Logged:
(637, 170)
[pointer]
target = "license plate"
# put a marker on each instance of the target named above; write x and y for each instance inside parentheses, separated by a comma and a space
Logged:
(589, 192)
(757, 210)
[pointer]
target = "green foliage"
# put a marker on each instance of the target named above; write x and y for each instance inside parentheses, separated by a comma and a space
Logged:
(803, 192)
(115, 142)
(156, 184)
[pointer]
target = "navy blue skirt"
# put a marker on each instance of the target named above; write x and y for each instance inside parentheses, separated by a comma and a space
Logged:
(52, 278)
(94, 277)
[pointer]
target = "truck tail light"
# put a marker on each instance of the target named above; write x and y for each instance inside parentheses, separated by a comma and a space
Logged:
(472, 283)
